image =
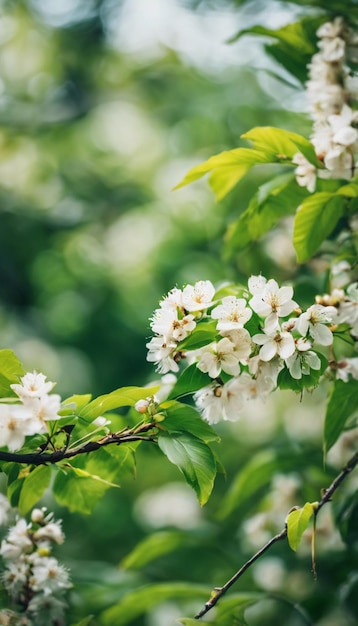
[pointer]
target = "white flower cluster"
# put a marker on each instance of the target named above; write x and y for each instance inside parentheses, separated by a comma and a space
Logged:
(330, 90)
(32, 577)
(245, 364)
(31, 417)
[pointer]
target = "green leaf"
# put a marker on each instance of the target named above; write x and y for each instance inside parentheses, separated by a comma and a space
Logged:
(203, 334)
(294, 45)
(226, 168)
(194, 459)
(308, 381)
(125, 396)
(77, 493)
(281, 144)
(34, 487)
(79, 401)
(184, 418)
(189, 381)
(84, 474)
(273, 200)
(153, 547)
(141, 601)
(315, 220)
(343, 403)
(271, 145)
(297, 522)
(11, 370)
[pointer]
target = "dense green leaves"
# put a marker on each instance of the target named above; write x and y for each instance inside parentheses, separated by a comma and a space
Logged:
(342, 404)
(183, 418)
(195, 460)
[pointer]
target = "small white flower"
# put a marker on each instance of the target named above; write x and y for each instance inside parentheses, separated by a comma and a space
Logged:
(16, 422)
(33, 385)
(314, 321)
(231, 314)
(17, 541)
(267, 370)
(306, 173)
(162, 352)
(256, 284)
(242, 341)
(199, 297)
(166, 322)
(252, 388)
(50, 532)
(347, 367)
(174, 300)
(49, 576)
(220, 402)
(219, 356)
(277, 343)
(272, 303)
(302, 362)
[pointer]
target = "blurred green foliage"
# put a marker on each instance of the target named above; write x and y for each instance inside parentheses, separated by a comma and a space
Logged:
(95, 132)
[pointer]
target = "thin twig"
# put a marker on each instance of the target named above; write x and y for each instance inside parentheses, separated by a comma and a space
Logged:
(218, 592)
(42, 458)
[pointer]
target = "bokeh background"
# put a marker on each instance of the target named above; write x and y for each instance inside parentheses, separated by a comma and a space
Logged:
(104, 106)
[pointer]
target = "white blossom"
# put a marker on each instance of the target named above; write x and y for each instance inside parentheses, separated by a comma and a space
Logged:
(279, 343)
(314, 322)
(49, 576)
(256, 284)
(346, 368)
(198, 297)
(220, 402)
(51, 531)
(17, 421)
(33, 385)
(272, 303)
(219, 356)
(306, 172)
(242, 341)
(162, 352)
(231, 314)
(302, 362)
(167, 323)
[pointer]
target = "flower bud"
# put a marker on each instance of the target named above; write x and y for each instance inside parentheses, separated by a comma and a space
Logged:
(38, 516)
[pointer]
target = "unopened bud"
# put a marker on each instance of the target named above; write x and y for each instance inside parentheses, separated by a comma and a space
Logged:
(142, 405)
(38, 516)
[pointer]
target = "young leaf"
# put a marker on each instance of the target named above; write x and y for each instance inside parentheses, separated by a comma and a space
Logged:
(142, 600)
(79, 401)
(281, 144)
(315, 220)
(297, 522)
(201, 336)
(126, 396)
(189, 381)
(343, 403)
(34, 487)
(194, 459)
(227, 169)
(231, 610)
(11, 369)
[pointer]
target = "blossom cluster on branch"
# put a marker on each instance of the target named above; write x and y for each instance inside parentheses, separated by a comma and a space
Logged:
(246, 343)
(331, 90)
(33, 578)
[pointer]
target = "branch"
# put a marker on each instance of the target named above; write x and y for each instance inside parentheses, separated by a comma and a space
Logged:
(218, 592)
(42, 458)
